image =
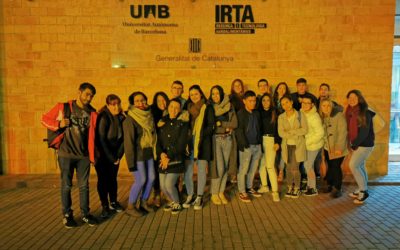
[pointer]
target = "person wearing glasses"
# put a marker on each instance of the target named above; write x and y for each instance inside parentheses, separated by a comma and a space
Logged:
(314, 141)
(177, 91)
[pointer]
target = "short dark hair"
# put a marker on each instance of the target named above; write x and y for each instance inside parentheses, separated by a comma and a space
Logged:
(289, 97)
(134, 94)
(301, 80)
(87, 85)
(177, 100)
(112, 97)
(310, 97)
(248, 93)
(326, 85)
(177, 82)
(262, 80)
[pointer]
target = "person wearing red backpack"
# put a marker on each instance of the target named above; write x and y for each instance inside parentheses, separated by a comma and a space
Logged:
(75, 150)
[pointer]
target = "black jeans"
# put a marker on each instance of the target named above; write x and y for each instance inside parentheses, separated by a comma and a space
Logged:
(107, 185)
(317, 163)
(334, 174)
(67, 167)
(156, 183)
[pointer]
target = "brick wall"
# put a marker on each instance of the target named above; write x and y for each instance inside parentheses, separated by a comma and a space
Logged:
(50, 47)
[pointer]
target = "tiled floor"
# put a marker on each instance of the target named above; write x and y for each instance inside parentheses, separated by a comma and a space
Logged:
(392, 178)
(30, 218)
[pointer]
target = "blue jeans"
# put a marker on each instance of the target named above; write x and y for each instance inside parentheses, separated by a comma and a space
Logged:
(249, 161)
(309, 167)
(67, 166)
(168, 185)
(144, 178)
(357, 166)
(223, 145)
(201, 176)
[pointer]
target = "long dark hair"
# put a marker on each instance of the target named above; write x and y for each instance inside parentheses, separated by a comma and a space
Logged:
(276, 95)
(362, 103)
(158, 113)
(197, 87)
(272, 107)
(154, 103)
(221, 93)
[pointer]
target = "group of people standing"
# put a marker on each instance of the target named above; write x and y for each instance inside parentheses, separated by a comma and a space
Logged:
(229, 136)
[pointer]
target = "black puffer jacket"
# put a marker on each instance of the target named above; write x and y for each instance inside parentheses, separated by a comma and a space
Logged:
(172, 140)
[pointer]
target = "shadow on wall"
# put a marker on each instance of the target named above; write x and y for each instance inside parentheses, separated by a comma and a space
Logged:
(2, 59)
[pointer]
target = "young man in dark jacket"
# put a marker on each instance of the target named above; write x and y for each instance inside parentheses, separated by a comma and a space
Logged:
(297, 97)
(248, 135)
(76, 150)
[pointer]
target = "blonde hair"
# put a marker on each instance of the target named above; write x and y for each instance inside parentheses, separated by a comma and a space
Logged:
(320, 104)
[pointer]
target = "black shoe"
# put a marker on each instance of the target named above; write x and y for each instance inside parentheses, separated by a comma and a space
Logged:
(296, 193)
(145, 207)
(116, 207)
(90, 220)
(176, 208)
(253, 193)
(326, 189)
(69, 221)
(168, 207)
(303, 185)
(336, 193)
(289, 193)
(106, 212)
(362, 196)
(133, 211)
(311, 192)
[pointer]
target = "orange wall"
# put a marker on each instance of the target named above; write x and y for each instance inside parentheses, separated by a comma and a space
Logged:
(50, 47)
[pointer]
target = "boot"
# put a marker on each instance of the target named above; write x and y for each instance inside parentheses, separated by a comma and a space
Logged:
(157, 200)
(133, 211)
(145, 207)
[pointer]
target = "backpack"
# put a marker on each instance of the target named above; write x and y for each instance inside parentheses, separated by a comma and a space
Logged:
(54, 138)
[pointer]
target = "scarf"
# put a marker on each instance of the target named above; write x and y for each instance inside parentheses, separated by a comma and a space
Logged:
(352, 114)
(194, 111)
(145, 120)
(197, 111)
(222, 107)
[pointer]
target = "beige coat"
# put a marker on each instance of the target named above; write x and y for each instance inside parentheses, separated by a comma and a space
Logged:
(297, 133)
(335, 128)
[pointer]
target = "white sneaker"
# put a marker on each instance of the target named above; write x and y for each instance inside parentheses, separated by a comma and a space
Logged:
(176, 208)
(198, 203)
(188, 202)
(263, 189)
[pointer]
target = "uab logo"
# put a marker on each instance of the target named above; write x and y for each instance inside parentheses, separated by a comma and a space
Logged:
(157, 11)
(233, 13)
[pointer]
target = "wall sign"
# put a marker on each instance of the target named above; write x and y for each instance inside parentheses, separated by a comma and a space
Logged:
(236, 19)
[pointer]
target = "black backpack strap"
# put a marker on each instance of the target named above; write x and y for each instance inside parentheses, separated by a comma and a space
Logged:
(67, 110)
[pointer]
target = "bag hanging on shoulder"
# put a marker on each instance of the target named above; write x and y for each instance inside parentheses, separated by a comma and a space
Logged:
(54, 138)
